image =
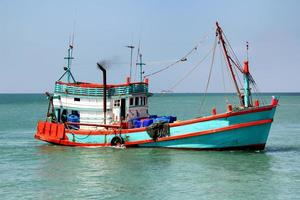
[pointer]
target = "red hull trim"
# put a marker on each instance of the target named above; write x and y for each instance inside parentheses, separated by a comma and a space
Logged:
(136, 143)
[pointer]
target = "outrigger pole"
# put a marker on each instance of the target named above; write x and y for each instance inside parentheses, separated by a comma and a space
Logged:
(219, 33)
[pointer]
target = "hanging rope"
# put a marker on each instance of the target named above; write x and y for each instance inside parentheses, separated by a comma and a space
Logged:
(223, 75)
(238, 66)
(182, 59)
(209, 75)
(193, 69)
(172, 64)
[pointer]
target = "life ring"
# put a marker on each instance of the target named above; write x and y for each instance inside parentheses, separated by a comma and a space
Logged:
(117, 141)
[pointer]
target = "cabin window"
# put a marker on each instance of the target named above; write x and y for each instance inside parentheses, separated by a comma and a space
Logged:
(136, 101)
(145, 101)
(64, 116)
(131, 101)
(141, 101)
(117, 103)
(76, 99)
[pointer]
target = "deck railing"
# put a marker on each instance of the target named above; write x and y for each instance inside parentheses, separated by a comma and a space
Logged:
(94, 91)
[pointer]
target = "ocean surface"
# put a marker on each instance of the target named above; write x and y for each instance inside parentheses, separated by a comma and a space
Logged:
(31, 169)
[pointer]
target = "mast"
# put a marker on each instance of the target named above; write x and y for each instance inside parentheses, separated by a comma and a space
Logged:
(131, 47)
(221, 39)
(246, 73)
(247, 90)
(67, 69)
(141, 67)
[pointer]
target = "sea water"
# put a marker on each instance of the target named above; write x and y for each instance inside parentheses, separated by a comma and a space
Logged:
(32, 169)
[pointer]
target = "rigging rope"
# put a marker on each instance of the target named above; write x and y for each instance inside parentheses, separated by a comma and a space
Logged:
(223, 75)
(238, 66)
(193, 69)
(172, 64)
(209, 76)
(182, 59)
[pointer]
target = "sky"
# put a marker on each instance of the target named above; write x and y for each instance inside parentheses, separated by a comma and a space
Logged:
(34, 37)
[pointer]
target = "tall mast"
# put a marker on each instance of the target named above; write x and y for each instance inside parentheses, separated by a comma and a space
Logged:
(131, 47)
(141, 67)
(67, 69)
(69, 58)
(221, 39)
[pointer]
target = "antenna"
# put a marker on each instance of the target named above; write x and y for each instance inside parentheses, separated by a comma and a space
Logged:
(137, 58)
(131, 50)
(69, 58)
(141, 67)
(247, 50)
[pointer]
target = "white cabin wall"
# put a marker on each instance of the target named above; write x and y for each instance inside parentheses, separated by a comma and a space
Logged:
(90, 109)
(84, 103)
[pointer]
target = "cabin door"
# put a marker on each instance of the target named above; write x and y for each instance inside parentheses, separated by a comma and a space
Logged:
(123, 109)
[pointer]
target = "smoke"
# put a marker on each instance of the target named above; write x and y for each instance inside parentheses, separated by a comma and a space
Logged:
(109, 63)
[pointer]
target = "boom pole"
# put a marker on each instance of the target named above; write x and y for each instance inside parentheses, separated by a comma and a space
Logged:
(221, 39)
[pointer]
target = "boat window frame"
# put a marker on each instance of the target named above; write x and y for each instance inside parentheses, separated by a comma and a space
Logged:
(136, 101)
(131, 101)
(117, 103)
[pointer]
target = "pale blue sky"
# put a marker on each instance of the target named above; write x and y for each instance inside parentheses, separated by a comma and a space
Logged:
(34, 37)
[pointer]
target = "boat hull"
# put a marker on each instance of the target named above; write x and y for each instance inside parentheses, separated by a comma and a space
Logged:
(241, 130)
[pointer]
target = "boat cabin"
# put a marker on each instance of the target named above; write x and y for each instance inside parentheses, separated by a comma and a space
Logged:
(83, 102)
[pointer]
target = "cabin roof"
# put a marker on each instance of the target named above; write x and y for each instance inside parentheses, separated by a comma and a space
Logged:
(94, 89)
(97, 85)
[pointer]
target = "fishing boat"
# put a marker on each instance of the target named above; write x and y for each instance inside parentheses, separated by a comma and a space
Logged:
(107, 115)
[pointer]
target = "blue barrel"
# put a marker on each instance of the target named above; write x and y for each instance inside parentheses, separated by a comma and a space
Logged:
(74, 119)
(153, 116)
(172, 119)
(137, 123)
(162, 119)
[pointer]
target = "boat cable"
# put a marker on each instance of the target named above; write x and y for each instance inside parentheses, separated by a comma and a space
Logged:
(74, 135)
(182, 59)
(191, 70)
(209, 75)
(237, 64)
(228, 73)
(235, 61)
(223, 75)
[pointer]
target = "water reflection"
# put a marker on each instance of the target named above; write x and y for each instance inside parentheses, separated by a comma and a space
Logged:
(148, 173)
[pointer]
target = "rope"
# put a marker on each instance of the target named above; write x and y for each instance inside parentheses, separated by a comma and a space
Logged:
(228, 73)
(223, 75)
(210, 72)
(193, 69)
(172, 64)
(182, 59)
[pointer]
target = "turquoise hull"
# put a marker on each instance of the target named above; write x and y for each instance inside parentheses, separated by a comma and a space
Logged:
(254, 136)
(246, 129)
